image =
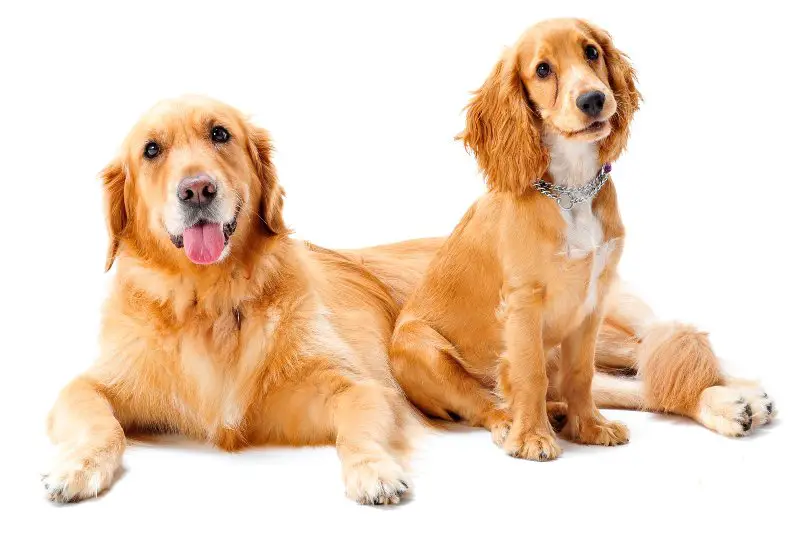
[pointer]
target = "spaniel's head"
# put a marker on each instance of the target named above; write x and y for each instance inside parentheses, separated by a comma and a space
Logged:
(563, 77)
(194, 180)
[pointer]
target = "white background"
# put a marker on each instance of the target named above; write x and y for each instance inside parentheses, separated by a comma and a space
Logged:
(363, 101)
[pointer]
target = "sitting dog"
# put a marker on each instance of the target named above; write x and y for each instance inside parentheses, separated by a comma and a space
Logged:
(222, 328)
(509, 312)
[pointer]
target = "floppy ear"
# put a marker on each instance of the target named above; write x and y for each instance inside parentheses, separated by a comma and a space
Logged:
(113, 177)
(504, 131)
(271, 204)
(622, 78)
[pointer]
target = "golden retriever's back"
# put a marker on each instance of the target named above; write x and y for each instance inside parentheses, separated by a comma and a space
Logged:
(400, 266)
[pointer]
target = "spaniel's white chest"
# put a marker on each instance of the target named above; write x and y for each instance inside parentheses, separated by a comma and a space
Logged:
(583, 233)
(583, 236)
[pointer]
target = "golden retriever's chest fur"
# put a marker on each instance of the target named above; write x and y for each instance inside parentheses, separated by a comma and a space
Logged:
(219, 371)
(184, 363)
(199, 374)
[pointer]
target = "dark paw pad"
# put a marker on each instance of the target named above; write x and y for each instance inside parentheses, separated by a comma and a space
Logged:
(746, 418)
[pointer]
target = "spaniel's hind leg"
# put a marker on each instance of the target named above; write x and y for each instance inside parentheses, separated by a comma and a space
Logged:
(426, 366)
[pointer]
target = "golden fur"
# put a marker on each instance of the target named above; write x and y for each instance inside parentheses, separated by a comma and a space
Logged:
(283, 341)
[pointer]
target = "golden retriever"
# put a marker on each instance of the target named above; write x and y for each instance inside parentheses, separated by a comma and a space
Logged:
(221, 327)
(509, 311)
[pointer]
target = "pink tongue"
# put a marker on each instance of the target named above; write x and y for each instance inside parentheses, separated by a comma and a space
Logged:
(203, 243)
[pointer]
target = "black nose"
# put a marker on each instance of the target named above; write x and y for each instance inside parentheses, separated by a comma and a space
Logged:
(591, 103)
(197, 190)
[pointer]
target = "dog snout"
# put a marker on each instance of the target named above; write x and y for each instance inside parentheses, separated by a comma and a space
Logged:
(591, 103)
(197, 190)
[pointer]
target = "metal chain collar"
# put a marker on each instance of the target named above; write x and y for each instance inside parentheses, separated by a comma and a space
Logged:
(568, 197)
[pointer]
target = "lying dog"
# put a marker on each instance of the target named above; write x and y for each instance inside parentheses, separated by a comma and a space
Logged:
(221, 327)
(510, 309)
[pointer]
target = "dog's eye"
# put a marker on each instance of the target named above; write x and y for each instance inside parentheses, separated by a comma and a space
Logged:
(591, 52)
(151, 150)
(543, 70)
(220, 134)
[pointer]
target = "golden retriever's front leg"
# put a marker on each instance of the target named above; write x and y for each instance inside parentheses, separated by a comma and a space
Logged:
(90, 441)
(585, 424)
(369, 423)
(523, 377)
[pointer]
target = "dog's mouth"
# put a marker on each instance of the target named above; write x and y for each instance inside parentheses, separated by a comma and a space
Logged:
(204, 242)
(595, 130)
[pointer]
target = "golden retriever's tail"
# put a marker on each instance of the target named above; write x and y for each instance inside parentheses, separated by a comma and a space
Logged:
(669, 367)
(673, 361)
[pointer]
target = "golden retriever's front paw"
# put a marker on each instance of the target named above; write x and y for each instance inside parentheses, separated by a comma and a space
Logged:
(531, 445)
(762, 405)
(376, 482)
(78, 474)
(596, 430)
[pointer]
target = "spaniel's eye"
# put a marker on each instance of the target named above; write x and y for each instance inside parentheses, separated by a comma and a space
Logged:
(220, 134)
(591, 52)
(543, 70)
(151, 150)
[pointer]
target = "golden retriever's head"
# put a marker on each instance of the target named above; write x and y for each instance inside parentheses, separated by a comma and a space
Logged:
(194, 178)
(563, 77)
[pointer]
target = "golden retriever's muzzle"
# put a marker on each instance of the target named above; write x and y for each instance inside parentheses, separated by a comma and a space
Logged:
(206, 233)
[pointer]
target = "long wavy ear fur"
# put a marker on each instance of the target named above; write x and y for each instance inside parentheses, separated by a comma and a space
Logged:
(114, 178)
(271, 206)
(622, 78)
(503, 131)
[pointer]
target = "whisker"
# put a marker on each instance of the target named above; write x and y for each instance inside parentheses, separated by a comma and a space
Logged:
(246, 207)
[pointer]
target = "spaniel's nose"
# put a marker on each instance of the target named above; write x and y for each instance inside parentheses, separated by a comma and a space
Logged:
(197, 190)
(591, 103)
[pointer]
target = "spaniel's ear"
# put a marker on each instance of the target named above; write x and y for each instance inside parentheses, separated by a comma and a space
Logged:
(117, 216)
(504, 131)
(622, 78)
(271, 205)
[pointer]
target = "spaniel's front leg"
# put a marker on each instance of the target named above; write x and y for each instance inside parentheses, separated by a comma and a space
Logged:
(90, 442)
(584, 423)
(523, 376)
